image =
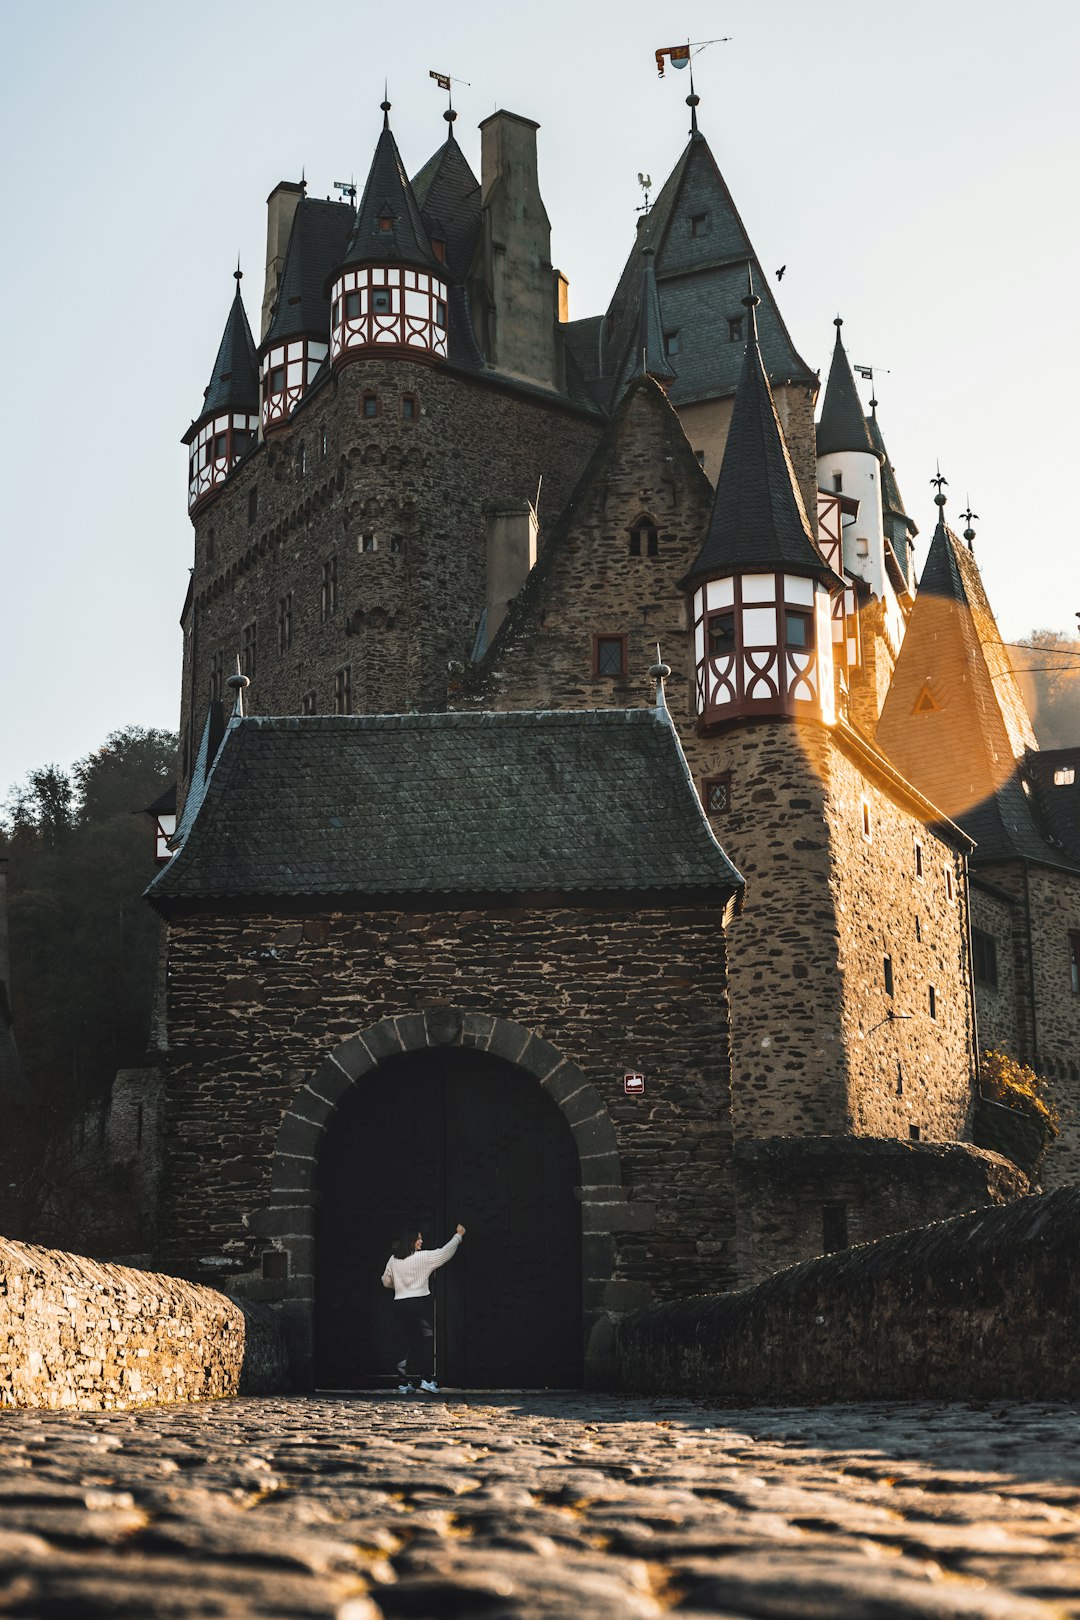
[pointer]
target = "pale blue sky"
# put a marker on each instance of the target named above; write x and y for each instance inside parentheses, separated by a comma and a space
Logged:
(914, 166)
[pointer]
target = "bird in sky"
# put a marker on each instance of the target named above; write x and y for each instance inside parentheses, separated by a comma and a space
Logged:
(780, 272)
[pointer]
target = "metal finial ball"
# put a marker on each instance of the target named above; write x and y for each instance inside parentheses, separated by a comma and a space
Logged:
(693, 101)
(237, 683)
(449, 115)
(750, 301)
(838, 323)
(660, 672)
(940, 499)
(384, 106)
(969, 535)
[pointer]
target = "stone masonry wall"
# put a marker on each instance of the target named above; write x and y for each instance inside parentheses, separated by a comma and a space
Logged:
(983, 1307)
(258, 1002)
(80, 1334)
(419, 486)
(910, 1073)
(992, 912)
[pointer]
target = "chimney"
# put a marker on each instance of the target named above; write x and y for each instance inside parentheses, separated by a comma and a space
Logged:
(514, 252)
(511, 553)
(280, 208)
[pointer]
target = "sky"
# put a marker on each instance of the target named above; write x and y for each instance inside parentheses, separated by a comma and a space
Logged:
(913, 166)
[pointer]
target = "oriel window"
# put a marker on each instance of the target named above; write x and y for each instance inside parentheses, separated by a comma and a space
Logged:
(352, 306)
(798, 629)
(382, 300)
(721, 634)
(277, 379)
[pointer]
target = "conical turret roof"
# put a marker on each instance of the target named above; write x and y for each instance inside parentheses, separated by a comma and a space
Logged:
(891, 500)
(234, 381)
(650, 359)
(389, 228)
(843, 424)
(758, 518)
(448, 195)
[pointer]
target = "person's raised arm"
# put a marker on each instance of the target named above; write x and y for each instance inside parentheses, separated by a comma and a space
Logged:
(438, 1257)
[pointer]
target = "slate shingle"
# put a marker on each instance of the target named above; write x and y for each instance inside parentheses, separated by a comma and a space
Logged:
(445, 804)
(234, 381)
(388, 194)
(320, 231)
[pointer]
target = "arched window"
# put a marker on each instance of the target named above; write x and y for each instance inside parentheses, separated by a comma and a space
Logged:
(644, 538)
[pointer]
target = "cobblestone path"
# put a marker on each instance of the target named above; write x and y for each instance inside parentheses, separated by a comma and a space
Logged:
(540, 1505)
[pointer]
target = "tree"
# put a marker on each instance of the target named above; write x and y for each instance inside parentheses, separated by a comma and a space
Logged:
(83, 941)
(1049, 673)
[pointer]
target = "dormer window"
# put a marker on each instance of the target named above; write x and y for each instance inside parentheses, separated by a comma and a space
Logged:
(735, 328)
(386, 221)
(699, 224)
(438, 247)
(1065, 777)
(672, 344)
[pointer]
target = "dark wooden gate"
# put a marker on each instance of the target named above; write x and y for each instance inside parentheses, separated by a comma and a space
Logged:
(433, 1138)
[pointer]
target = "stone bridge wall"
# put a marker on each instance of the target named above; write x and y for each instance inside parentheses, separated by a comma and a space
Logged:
(81, 1334)
(984, 1306)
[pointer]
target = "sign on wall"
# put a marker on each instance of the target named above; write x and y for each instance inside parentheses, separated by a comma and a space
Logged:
(634, 1085)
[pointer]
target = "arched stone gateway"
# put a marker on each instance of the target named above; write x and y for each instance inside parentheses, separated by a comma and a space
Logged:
(517, 1136)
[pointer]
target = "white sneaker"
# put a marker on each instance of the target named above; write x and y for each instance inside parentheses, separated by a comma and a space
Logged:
(404, 1389)
(430, 1386)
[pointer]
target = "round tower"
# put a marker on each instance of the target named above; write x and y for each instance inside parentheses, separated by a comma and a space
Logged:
(389, 290)
(760, 589)
(229, 422)
(297, 339)
(849, 464)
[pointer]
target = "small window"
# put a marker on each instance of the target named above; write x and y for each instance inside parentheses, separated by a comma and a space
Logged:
(932, 1000)
(918, 931)
(438, 247)
(833, 1228)
(721, 634)
(609, 655)
(386, 222)
(396, 543)
(984, 957)
(699, 224)
(301, 460)
(716, 794)
(324, 443)
(247, 650)
(672, 343)
(838, 483)
(735, 328)
(408, 407)
(1074, 962)
(328, 599)
(888, 976)
(352, 306)
(335, 312)
(798, 628)
(253, 505)
(220, 443)
(217, 675)
(284, 622)
(275, 1265)
(382, 300)
(307, 703)
(867, 828)
(914, 1133)
(918, 860)
(277, 379)
(1065, 777)
(369, 405)
(367, 542)
(950, 886)
(343, 690)
(440, 312)
(241, 438)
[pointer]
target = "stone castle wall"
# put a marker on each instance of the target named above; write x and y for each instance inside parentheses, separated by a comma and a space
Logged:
(419, 486)
(257, 1002)
(996, 1005)
(985, 1306)
(79, 1334)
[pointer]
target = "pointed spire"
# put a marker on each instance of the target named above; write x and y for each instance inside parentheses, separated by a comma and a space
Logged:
(651, 359)
(693, 101)
(389, 229)
(843, 425)
(758, 517)
(234, 381)
(969, 518)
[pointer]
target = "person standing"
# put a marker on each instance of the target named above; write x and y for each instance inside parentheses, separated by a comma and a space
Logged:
(408, 1272)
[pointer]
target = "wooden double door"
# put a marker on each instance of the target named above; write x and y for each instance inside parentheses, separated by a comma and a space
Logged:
(428, 1140)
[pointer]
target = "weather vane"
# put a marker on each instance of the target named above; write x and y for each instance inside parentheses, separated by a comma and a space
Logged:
(645, 182)
(347, 189)
(445, 82)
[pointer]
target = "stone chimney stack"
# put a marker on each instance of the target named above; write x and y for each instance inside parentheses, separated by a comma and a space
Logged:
(514, 253)
(511, 553)
(280, 207)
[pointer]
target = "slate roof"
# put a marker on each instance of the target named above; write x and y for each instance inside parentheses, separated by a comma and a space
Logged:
(891, 499)
(1059, 803)
(701, 279)
(320, 232)
(758, 518)
(843, 424)
(966, 748)
(388, 192)
(445, 805)
(650, 358)
(448, 195)
(234, 381)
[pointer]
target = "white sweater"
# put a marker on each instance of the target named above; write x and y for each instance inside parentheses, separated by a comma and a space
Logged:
(409, 1277)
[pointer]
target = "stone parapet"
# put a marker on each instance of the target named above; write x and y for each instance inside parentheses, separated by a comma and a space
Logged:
(985, 1306)
(80, 1334)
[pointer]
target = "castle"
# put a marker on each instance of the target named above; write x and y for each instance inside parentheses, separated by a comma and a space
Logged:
(658, 974)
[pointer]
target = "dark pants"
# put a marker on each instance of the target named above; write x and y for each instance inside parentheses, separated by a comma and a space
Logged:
(416, 1340)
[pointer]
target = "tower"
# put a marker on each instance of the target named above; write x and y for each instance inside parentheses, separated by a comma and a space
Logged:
(759, 589)
(229, 421)
(297, 339)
